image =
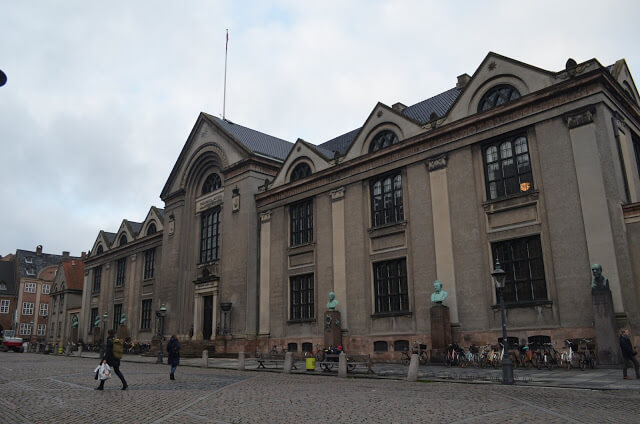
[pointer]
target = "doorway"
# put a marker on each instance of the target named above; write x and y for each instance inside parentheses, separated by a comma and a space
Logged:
(208, 317)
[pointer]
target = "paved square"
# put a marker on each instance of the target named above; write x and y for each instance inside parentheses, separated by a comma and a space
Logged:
(47, 389)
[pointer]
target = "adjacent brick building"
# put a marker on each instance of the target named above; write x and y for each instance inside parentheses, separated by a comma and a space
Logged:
(8, 292)
(66, 302)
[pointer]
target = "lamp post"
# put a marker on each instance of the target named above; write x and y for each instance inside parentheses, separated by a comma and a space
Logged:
(104, 333)
(160, 314)
(31, 339)
(499, 277)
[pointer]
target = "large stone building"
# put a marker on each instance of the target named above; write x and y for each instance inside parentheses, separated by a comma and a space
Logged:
(536, 168)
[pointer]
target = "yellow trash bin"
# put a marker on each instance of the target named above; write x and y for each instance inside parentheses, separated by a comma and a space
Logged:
(311, 364)
(59, 351)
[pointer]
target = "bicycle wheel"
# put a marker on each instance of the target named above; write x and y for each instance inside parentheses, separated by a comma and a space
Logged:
(424, 358)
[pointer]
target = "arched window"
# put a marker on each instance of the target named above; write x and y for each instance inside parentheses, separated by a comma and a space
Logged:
(380, 346)
(151, 229)
(123, 240)
(497, 96)
(382, 140)
(302, 170)
(212, 183)
(100, 250)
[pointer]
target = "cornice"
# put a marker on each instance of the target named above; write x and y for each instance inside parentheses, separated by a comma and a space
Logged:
(128, 249)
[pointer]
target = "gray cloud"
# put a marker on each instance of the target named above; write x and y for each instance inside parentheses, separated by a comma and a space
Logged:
(101, 96)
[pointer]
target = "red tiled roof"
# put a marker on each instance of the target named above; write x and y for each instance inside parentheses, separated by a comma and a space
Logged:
(48, 274)
(74, 274)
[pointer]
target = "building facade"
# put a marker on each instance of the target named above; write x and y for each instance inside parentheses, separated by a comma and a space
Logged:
(537, 169)
(66, 302)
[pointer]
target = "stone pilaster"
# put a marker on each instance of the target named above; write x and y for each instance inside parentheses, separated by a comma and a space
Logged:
(339, 252)
(265, 269)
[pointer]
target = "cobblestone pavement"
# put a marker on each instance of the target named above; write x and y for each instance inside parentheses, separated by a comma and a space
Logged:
(48, 389)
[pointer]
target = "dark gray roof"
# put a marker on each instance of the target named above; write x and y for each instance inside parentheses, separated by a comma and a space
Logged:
(31, 264)
(110, 237)
(160, 212)
(420, 112)
(8, 277)
(439, 104)
(256, 141)
(135, 226)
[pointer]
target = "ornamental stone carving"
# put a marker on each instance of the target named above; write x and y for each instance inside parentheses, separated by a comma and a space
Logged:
(577, 120)
(265, 216)
(337, 194)
(437, 163)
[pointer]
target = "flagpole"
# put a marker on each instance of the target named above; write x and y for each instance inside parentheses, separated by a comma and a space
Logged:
(224, 98)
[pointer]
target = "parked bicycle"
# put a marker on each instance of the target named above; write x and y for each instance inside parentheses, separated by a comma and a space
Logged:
(419, 349)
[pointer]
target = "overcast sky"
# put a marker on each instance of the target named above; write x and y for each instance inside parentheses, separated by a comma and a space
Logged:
(101, 96)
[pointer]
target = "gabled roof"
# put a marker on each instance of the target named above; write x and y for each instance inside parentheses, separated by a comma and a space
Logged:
(110, 237)
(419, 112)
(74, 274)
(253, 140)
(135, 227)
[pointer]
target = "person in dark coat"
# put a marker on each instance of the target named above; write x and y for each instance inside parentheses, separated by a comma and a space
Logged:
(173, 349)
(112, 360)
(628, 354)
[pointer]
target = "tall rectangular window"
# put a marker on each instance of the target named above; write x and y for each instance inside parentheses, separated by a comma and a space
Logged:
(120, 271)
(42, 329)
(210, 236)
(4, 306)
(44, 309)
(117, 312)
(145, 321)
(25, 329)
(390, 286)
(149, 260)
(27, 308)
(94, 317)
(386, 200)
(507, 167)
(46, 289)
(301, 297)
(636, 148)
(97, 277)
(522, 262)
(29, 287)
(301, 222)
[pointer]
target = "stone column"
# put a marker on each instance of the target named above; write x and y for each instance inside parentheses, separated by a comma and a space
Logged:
(198, 306)
(214, 314)
(445, 266)
(265, 268)
(628, 157)
(339, 252)
(593, 199)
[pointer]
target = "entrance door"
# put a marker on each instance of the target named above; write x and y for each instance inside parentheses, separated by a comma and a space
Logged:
(208, 317)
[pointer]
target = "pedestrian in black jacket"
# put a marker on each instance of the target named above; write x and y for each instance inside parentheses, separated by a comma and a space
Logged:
(112, 360)
(173, 349)
(628, 354)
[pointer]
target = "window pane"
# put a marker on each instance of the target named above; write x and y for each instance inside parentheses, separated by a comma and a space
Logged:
(511, 175)
(390, 286)
(522, 261)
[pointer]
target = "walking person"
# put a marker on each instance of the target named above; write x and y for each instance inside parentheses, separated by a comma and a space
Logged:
(628, 354)
(173, 349)
(103, 372)
(114, 359)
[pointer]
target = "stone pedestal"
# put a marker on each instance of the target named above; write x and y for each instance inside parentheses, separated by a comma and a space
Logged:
(604, 323)
(332, 329)
(74, 335)
(440, 331)
(122, 332)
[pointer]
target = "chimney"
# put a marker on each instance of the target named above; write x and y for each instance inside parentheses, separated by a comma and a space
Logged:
(39, 250)
(83, 255)
(463, 80)
(65, 256)
(399, 107)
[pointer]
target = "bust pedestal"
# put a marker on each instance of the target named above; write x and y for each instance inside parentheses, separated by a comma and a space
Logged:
(604, 325)
(122, 332)
(440, 331)
(332, 329)
(74, 335)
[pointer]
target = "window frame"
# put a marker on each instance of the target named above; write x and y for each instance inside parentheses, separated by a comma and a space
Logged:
(117, 311)
(210, 235)
(97, 279)
(42, 330)
(396, 212)
(302, 299)
(44, 309)
(5, 305)
(25, 329)
(300, 171)
(502, 190)
(145, 314)
(149, 263)
(94, 315)
(376, 145)
(209, 186)
(46, 289)
(301, 223)
(27, 308)
(534, 263)
(30, 287)
(121, 270)
(385, 297)
(496, 89)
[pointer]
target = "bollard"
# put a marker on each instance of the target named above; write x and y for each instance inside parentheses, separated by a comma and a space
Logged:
(67, 351)
(79, 351)
(413, 368)
(241, 361)
(288, 362)
(205, 359)
(342, 365)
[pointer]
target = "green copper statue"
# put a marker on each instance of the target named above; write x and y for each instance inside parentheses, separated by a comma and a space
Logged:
(74, 322)
(123, 319)
(439, 295)
(331, 305)
(599, 282)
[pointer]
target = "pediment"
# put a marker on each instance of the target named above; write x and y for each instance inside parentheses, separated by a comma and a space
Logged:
(381, 118)
(302, 151)
(126, 230)
(208, 145)
(622, 75)
(101, 240)
(153, 217)
(497, 70)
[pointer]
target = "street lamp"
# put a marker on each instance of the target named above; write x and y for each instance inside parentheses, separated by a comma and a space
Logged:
(160, 329)
(104, 333)
(499, 277)
(32, 338)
